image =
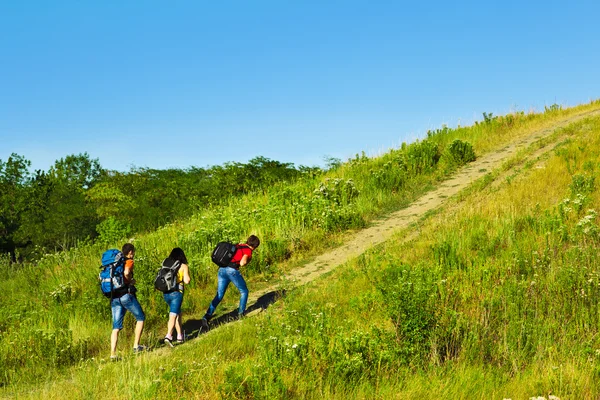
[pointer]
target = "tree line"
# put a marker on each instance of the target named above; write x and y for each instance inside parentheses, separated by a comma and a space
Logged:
(77, 200)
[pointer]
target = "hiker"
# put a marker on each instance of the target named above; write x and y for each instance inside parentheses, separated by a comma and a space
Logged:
(174, 298)
(231, 273)
(124, 300)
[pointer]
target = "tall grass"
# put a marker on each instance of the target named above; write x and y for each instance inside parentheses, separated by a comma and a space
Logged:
(500, 289)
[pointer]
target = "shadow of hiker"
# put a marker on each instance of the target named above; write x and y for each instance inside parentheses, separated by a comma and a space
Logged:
(194, 326)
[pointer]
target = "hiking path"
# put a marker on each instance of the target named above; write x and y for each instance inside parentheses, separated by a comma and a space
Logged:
(382, 229)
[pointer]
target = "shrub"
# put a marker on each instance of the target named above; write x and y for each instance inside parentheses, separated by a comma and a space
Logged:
(461, 152)
(421, 157)
(410, 304)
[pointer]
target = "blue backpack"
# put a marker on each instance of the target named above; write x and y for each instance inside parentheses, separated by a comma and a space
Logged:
(112, 279)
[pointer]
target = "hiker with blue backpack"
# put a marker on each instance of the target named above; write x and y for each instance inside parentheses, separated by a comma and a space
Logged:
(230, 257)
(172, 277)
(118, 284)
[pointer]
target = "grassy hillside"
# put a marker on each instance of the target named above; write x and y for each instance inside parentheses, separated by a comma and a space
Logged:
(496, 297)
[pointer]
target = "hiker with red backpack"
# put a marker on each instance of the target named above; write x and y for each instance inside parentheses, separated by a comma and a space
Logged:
(229, 262)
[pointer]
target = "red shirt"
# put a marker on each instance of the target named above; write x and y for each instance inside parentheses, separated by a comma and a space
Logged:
(241, 252)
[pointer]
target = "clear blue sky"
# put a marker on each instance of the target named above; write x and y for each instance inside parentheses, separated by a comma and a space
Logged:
(198, 83)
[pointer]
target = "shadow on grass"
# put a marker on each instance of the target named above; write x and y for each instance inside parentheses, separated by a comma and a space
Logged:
(195, 327)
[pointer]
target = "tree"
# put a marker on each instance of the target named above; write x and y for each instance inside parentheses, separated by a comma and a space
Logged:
(56, 214)
(14, 177)
(78, 170)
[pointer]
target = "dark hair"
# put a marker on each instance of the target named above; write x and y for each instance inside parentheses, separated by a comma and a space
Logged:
(177, 254)
(127, 247)
(253, 241)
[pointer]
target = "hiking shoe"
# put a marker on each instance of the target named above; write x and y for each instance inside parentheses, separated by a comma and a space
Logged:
(139, 349)
(168, 341)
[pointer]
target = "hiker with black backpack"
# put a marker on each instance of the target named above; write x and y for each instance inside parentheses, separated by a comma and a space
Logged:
(118, 284)
(172, 276)
(230, 258)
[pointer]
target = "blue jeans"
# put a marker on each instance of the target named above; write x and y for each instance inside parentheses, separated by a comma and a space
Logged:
(121, 305)
(226, 275)
(174, 300)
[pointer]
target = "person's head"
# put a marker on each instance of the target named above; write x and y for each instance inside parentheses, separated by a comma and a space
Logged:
(177, 254)
(253, 241)
(128, 250)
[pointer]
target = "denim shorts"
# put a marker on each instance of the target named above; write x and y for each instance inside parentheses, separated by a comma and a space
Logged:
(121, 305)
(174, 300)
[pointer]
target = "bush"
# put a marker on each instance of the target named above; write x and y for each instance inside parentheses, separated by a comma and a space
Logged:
(461, 152)
(411, 308)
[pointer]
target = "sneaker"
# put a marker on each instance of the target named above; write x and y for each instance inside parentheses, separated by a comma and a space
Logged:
(180, 341)
(115, 358)
(139, 349)
(168, 341)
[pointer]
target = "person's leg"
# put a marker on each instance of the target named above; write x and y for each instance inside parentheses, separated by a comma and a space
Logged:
(139, 328)
(174, 301)
(114, 339)
(130, 302)
(118, 313)
(171, 325)
(178, 328)
(238, 280)
(223, 282)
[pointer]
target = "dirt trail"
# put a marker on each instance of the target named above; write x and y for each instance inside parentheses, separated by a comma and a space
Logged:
(383, 229)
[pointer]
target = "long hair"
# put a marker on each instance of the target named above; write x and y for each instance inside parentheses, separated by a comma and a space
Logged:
(177, 254)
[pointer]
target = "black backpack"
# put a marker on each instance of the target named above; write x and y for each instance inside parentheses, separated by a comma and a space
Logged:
(166, 279)
(223, 253)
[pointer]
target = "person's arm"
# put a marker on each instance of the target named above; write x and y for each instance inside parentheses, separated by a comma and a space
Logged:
(245, 260)
(186, 273)
(128, 272)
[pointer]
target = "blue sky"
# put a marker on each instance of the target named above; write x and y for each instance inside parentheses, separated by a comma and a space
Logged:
(197, 83)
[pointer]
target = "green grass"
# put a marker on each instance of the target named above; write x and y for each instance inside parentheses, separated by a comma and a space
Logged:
(496, 298)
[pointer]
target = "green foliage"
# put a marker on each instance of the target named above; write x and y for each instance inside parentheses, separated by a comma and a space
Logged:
(77, 171)
(77, 200)
(407, 293)
(109, 200)
(337, 191)
(461, 152)
(261, 383)
(582, 184)
(421, 157)
(553, 108)
(37, 350)
(445, 254)
(489, 118)
(494, 296)
(14, 176)
(111, 230)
